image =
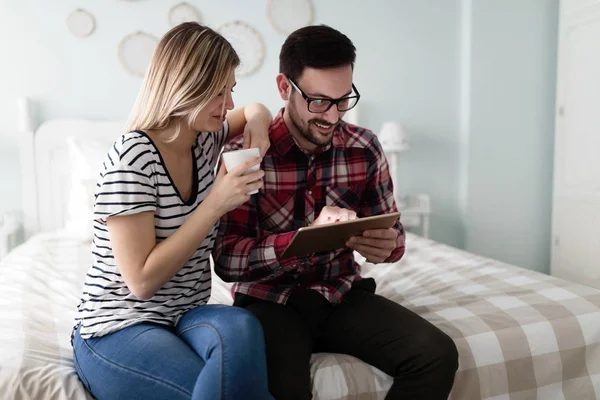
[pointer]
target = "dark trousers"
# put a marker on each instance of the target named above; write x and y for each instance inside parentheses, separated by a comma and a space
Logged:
(421, 358)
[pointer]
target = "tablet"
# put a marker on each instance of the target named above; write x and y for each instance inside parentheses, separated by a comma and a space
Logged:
(333, 236)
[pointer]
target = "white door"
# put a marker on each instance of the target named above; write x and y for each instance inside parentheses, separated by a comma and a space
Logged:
(576, 208)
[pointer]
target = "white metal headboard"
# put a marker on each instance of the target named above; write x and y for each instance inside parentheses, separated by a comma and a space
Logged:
(45, 165)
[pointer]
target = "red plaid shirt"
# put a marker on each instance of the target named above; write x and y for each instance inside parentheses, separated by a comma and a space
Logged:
(351, 173)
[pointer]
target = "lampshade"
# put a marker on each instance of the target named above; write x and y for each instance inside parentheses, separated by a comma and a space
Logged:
(23, 115)
(393, 137)
(351, 116)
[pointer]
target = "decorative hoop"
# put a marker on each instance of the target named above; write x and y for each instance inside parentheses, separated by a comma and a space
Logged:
(183, 12)
(288, 15)
(135, 52)
(81, 23)
(247, 42)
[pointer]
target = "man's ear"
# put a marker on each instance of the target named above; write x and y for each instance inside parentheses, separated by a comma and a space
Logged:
(283, 86)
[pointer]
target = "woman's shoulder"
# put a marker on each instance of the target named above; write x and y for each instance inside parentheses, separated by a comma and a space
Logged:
(133, 147)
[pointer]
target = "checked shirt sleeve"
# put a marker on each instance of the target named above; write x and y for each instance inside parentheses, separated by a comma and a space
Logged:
(239, 253)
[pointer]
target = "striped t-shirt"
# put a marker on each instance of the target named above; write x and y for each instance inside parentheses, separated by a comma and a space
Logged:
(133, 180)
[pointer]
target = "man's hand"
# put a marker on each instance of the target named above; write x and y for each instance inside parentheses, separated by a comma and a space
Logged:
(376, 245)
(333, 214)
(256, 133)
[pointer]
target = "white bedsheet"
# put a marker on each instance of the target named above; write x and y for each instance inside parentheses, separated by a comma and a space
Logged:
(40, 284)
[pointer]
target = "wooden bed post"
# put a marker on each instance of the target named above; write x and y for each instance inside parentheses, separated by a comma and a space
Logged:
(28, 174)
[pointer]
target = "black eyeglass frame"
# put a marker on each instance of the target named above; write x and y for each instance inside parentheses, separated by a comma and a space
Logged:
(331, 101)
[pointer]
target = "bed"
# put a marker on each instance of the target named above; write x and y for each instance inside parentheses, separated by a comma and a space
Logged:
(520, 334)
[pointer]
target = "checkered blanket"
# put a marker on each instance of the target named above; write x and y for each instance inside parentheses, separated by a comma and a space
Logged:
(520, 334)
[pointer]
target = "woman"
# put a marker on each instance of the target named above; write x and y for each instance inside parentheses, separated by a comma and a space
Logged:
(143, 327)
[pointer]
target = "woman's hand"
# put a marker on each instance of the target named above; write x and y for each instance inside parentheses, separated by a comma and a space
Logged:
(230, 189)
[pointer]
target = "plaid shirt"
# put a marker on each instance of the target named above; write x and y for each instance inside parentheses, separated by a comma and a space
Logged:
(351, 173)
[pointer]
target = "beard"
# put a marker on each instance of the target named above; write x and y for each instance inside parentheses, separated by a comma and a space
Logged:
(308, 129)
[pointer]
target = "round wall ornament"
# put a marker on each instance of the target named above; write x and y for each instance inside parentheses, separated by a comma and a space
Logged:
(247, 42)
(135, 52)
(81, 23)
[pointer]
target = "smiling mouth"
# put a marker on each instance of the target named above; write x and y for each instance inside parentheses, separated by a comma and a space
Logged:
(322, 125)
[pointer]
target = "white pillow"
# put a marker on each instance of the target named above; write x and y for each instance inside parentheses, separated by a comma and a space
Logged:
(85, 160)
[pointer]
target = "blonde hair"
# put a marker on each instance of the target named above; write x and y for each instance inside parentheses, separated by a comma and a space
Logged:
(190, 67)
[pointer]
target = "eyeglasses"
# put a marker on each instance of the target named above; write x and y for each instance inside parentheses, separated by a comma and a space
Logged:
(321, 105)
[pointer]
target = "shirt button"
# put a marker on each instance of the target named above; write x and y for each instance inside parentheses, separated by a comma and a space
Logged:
(310, 192)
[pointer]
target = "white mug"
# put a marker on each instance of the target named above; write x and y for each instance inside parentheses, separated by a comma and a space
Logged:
(234, 158)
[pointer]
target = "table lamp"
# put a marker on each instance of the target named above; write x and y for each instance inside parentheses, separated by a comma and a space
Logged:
(394, 139)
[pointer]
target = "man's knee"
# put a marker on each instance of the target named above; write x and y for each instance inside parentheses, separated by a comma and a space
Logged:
(433, 352)
(441, 354)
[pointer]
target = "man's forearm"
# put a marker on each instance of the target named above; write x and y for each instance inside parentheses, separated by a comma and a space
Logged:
(242, 259)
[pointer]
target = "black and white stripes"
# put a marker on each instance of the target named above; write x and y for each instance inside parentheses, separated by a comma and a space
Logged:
(133, 180)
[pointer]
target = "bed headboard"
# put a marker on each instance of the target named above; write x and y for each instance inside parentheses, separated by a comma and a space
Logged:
(46, 168)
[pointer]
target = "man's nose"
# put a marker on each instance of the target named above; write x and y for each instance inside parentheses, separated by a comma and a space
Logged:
(332, 115)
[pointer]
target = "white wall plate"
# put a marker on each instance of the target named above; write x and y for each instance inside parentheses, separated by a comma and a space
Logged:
(247, 42)
(288, 15)
(135, 52)
(183, 12)
(81, 23)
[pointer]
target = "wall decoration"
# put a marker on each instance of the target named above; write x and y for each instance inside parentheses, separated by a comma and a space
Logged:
(81, 23)
(288, 15)
(135, 52)
(183, 12)
(247, 42)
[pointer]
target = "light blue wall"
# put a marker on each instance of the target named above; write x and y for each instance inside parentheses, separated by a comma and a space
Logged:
(406, 70)
(511, 135)
(412, 67)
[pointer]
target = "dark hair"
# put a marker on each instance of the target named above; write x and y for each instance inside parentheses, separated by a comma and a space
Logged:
(316, 46)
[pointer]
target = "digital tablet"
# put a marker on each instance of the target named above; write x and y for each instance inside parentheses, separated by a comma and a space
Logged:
(333, 236)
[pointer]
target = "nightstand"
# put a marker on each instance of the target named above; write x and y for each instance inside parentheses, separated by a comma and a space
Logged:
(415, 212)
(9, 233)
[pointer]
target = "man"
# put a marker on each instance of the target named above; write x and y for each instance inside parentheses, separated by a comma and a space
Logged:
(320, 169)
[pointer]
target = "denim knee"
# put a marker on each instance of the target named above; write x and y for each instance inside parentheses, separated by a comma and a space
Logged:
(244, 325)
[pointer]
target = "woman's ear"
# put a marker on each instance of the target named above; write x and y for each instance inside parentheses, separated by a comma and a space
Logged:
(283, 86)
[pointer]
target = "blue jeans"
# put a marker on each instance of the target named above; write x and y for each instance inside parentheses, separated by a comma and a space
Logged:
(214, 352)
